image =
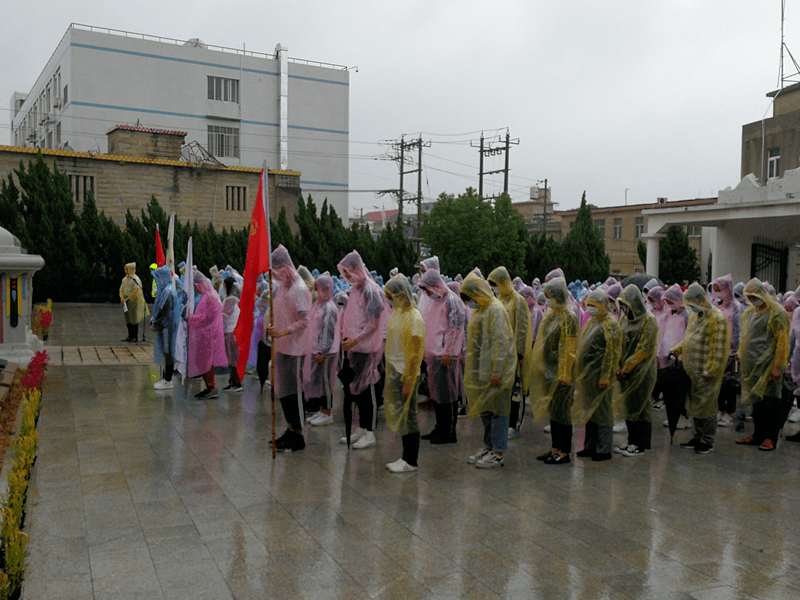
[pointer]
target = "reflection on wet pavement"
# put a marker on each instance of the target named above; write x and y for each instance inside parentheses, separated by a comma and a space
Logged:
(138, 493)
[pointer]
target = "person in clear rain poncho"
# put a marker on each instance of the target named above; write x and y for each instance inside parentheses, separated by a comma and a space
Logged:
(551, 370)
(637, 371)
(491, 362)
(405, 344)
(445, 318)
(164, 322)
(322, 353)
(292, 304)
(599, 348)
(230, 316)
(704, 353)
(132, 299)
(363, 325)
(732, 310)
(764, 355)
(519, 315)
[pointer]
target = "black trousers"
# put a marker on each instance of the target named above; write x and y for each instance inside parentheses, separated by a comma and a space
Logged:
(133, 331)
(367, 405)
(169, 369)
(291, 411)
(562, 436)
(639, 433)
(766, 419)
(411, 448)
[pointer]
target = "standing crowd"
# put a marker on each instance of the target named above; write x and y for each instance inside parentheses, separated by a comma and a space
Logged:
(575, 355)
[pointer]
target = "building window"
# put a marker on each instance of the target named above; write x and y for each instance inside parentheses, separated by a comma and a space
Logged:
(639, 227)
(223, 141)
(774, 163)
(600, 224)
(65, 99)
(235, 197)
(694, 230)
(81, 185)
(572, 224)
(224, 89)
(617, 229)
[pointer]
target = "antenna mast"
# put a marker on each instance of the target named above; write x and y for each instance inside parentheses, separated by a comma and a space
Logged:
(784, 79)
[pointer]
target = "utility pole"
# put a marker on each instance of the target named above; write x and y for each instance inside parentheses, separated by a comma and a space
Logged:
(491, 149)
(544, 210)
(400, 148)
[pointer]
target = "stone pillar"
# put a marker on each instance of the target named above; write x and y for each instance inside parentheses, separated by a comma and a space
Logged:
(653, 241)
(17, 342)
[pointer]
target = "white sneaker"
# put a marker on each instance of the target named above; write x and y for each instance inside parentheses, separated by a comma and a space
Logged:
(366, 441)
(162, 384)
(620, 426)
(321, 419)
(794, 415)
(400, 466)
(621, 449)
(355, 436)
(724, 420)
(546, 428)
(310, 418)
(478, 455)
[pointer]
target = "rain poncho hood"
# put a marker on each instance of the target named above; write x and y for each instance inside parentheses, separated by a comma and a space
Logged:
(131, 287)
(490, 352)
(704, 350)
(763, 345)
(596, 363)
(405, 339)
(638, 358)
(557, 272)
(553, 356)
(430, 263)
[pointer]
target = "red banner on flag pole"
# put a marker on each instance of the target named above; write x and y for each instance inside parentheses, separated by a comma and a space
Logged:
(160, 259)
(256, 262)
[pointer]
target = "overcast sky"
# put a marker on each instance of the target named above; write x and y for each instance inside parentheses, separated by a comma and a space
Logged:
(603, 95)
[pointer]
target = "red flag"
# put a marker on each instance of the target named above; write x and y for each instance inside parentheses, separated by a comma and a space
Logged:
(160, 259)
(256, 262)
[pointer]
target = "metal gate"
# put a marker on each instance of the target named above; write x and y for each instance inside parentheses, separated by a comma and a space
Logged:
(769, 261)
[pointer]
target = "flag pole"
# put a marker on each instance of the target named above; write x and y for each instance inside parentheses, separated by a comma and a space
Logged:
(265, 194)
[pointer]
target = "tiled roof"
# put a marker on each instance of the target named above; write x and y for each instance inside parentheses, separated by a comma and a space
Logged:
(147, 130)
(132, 159)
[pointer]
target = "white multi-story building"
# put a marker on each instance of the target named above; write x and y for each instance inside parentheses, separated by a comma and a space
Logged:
(243, 107)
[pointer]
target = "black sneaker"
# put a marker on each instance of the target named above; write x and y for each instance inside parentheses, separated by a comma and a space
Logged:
(429, 436)
(203, 393)
(702, 448)
(283, 439)
(227, 387)
(236, 388)
(691, 444)
(212, 393)
(295, 443)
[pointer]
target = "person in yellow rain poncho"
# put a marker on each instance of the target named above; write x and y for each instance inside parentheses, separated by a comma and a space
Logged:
(764, 354)
(132, 300)
(405, 345)
(599, 347)
(637, 370)
(551, 370)
(520, 316)
(491, 361)
(704, 353)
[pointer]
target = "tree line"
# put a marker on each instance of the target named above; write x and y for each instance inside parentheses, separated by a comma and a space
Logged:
(85, 252)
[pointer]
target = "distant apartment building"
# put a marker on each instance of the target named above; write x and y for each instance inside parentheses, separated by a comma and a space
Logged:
(242, 107)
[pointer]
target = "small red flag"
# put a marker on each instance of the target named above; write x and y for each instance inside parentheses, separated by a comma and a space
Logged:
(160, 259)
(256, 262)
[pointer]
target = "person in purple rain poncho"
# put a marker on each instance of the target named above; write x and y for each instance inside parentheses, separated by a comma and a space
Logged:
(322, 352)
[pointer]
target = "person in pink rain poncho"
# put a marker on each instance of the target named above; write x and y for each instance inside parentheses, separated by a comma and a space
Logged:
(672, 330)
(444, 322)
(731, 386)
(206, 336)
(292, 304)
(656, 304)
(363, 325)
(322, 352)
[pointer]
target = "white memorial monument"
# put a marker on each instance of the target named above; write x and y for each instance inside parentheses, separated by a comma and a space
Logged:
(17, 341)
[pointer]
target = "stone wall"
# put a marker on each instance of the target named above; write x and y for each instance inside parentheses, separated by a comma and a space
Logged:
(224, 196)
(145, 143)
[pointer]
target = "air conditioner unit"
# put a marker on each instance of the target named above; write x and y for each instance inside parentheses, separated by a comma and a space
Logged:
(57, 103)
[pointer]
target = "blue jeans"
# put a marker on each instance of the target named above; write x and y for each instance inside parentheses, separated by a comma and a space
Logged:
(495, 432)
